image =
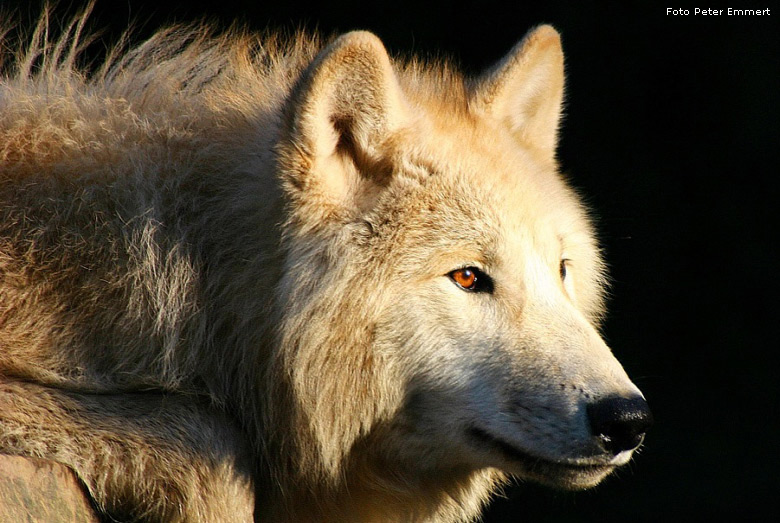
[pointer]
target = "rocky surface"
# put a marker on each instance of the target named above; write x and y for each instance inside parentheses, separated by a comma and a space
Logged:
(36, 490)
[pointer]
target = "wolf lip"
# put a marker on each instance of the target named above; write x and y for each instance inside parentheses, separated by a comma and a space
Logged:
(556, 473)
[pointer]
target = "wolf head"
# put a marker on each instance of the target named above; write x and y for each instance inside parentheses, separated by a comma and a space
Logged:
(443, 287)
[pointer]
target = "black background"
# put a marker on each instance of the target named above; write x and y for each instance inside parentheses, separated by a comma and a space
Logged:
(671, 133)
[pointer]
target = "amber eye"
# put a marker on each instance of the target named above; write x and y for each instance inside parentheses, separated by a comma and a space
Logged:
(472, 279)
(562, 268)
(465, 277)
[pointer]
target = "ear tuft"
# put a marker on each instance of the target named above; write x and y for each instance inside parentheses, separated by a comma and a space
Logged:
(525, 89)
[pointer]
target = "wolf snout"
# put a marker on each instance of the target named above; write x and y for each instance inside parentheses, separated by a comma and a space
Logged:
(620, 423)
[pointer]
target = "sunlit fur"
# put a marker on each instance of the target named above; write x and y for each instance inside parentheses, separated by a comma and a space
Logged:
(224, 260)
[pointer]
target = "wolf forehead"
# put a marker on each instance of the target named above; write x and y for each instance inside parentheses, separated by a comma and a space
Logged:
(446, 209)
(452, 187)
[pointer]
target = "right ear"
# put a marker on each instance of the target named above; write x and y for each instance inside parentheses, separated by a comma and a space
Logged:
(525, 90)
(337, 119)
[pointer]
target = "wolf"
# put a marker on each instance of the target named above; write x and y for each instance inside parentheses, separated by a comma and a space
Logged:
(280, 279)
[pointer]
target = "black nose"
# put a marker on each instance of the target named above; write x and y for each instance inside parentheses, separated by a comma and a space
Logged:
(620, 423)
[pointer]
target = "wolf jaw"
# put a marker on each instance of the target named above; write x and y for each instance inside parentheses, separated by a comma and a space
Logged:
(568, 474)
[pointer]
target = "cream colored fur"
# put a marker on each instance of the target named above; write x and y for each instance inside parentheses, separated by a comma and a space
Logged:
(224, 269)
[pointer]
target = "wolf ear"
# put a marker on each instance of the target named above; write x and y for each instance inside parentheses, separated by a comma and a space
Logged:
(339, 116)
(525, 89)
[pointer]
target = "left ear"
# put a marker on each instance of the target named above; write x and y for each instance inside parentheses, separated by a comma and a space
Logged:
(337, 122)
(525, 89)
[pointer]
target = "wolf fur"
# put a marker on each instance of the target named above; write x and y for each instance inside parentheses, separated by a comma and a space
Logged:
(227, 279)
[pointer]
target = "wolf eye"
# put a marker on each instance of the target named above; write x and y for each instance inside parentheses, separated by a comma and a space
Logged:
(471, 279)
(562, 268)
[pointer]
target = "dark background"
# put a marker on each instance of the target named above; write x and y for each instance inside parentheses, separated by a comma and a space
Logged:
(671, 133)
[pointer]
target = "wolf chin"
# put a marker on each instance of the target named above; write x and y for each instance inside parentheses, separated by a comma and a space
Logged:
(277, 279)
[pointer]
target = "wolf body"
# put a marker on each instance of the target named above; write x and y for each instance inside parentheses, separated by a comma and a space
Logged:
(291, 281)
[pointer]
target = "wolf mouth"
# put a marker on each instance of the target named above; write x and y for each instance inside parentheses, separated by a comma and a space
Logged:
(556, 473)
